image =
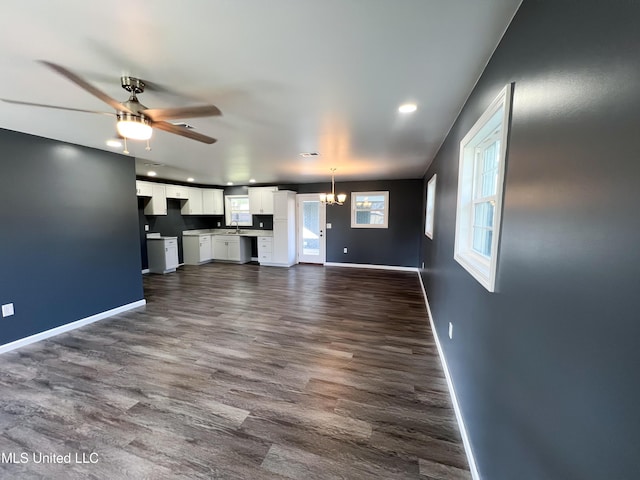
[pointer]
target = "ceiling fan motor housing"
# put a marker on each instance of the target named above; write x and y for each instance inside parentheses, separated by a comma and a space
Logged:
(132, 85)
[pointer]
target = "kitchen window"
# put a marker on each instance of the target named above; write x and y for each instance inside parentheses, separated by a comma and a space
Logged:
(370, 210)
(480, 184)
(237, 210)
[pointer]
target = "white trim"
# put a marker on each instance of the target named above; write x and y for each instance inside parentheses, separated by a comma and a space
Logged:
(454, 399)
(145, 271)
(367, 265)
(69, 326)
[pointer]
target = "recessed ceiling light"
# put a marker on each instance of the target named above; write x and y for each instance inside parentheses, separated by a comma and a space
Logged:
(407, 108)
(114, 143)
(229, 183)
(151, 173)
(190, 179)
(309, 154)
(253, 180)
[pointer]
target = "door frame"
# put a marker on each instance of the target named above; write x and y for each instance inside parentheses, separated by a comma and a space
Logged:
(301, 197)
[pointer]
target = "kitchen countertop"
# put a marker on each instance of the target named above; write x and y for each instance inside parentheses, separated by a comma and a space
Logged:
(225, 231)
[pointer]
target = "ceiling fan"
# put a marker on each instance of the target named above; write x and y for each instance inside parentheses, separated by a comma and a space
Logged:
(134, 120)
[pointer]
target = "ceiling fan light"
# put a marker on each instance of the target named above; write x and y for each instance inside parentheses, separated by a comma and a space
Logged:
(134, 127)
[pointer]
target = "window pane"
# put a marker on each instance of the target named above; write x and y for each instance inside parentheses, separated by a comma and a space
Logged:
(363, 217)
(483, 215)
(311, 229)
(482, 238)
(488, 171)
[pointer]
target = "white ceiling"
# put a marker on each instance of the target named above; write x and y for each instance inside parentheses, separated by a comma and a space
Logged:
(290, 76)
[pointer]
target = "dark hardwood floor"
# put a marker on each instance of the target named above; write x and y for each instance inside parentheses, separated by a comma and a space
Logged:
(240, 372)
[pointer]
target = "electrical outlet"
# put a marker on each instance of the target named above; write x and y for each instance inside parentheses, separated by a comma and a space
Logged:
(261, 224)
(450, 330)
(218, 223)
(345, 250)
(328, 226)
(7, 310)
(423, 265)
(146, 228)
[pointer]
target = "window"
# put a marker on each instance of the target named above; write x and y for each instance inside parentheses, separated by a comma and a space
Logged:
(431, 202)
(369, 209)
(237, 210)
(480, 184)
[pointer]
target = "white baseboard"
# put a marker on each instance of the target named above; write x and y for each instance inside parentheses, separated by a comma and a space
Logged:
(367, 265)
(69, 326)
(145, 271)
(456, 406)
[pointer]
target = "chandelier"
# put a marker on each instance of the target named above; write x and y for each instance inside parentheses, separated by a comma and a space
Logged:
(332, 198)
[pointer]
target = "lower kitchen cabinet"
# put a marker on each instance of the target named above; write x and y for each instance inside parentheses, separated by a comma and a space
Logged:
(196, 249)
(162, 253)
(265, 249)
(231, 248)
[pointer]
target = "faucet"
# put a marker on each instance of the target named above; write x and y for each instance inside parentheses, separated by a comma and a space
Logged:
(237, 226)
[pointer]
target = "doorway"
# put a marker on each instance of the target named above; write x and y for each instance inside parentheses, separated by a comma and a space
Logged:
(311, 228)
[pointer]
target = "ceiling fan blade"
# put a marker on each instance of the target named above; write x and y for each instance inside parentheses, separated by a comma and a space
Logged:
(185, 132)
(29, 104)
(159, 114)
(87, 86)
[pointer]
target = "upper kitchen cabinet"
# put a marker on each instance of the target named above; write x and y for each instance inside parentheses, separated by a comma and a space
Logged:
(261, 200)
(212, 201)
(177, 191)
(143, 189)
(193, 205)
(155, 197)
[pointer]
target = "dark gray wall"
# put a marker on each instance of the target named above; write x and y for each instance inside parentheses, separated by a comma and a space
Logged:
(546, 368)
(68, 243)
(397, 245)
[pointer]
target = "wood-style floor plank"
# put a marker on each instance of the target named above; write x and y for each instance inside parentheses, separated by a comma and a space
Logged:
(240, 372)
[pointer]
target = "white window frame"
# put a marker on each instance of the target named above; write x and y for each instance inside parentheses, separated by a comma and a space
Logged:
(355, 209)
(494, 123)
(228, 212)
(430, 208)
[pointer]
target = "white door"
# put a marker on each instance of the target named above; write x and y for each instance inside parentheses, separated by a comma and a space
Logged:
(311, 229)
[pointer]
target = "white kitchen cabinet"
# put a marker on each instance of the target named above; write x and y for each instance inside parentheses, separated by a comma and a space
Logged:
(177, 191)
(196, 249)
(265, 249)
(157, 204)
(162, 253)
(193, 205)
(231, 248)
(283, 249)
(261, 200)
(143, 189)
(212, 201)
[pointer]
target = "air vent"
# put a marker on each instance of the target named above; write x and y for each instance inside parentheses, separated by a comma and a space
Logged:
(154, 164)
(309, 154)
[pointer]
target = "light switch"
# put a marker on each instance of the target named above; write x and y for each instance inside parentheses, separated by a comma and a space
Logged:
(7, 310)
(328, 226)
(345, 250)
(146, 228)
